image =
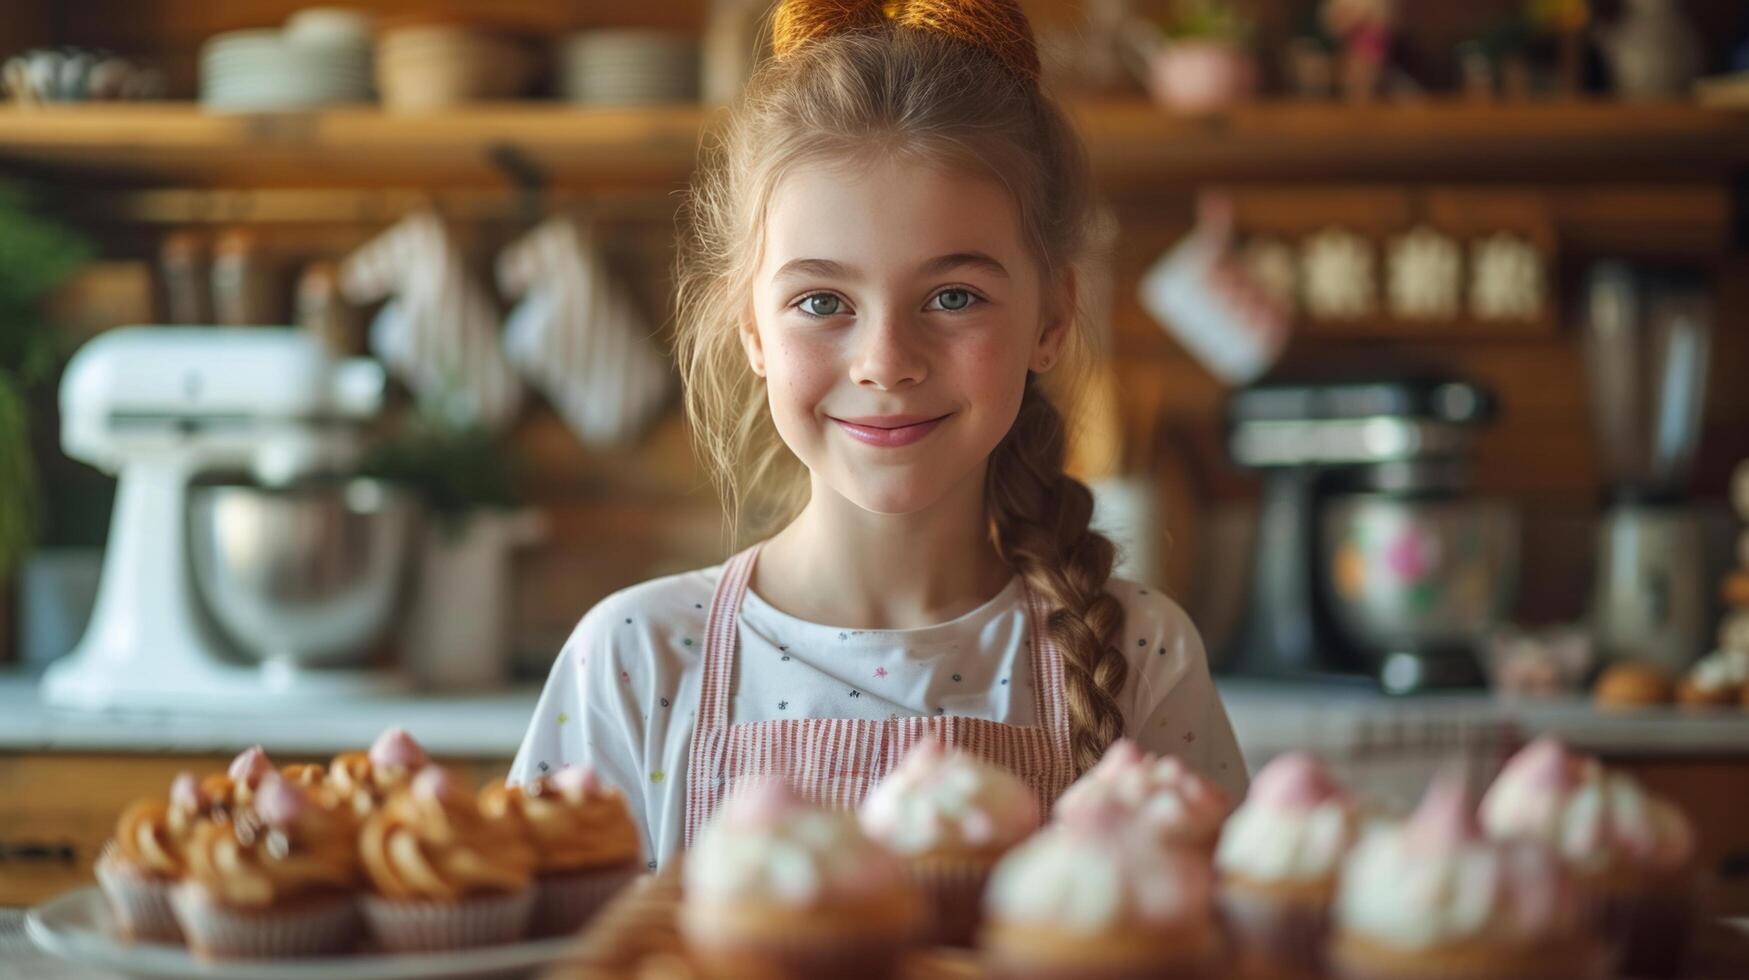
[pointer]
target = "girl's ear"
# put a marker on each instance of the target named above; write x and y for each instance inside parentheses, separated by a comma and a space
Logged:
(1060, 318)
(749, 332)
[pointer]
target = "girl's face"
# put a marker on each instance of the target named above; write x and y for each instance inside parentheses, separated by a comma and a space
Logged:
(896, 312)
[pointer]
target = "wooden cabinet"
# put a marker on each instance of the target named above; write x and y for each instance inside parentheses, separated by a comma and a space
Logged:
(58, 809)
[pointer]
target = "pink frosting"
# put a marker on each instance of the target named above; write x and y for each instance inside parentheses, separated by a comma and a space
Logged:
(185, 792)
(1446, 817)
(279, 801)
(395, 747)
(578, 782)
(250, 766)
(1295, 781)
(434, 783)
(1161, 793)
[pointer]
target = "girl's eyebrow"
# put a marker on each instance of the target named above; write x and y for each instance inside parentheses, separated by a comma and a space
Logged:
(935, 266)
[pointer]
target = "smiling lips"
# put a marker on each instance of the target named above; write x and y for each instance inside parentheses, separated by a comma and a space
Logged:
(888, 431)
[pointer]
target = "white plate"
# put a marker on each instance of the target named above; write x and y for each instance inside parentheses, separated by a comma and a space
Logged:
(77, 926)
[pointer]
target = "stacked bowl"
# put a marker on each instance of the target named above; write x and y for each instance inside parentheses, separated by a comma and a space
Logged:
(628, 67)
(426, 66)
(321, 57)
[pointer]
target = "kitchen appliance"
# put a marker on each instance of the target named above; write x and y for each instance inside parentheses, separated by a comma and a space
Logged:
(1372, 562)
(1646, 337)
(172, 410)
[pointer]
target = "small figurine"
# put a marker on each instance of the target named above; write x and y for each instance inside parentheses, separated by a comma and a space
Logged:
(1338, 275)
(1506, 278)
(1424, 276)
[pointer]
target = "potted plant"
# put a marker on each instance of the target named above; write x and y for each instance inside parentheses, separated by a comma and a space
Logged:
(36, 255)
(457, 630)
(1199, 59)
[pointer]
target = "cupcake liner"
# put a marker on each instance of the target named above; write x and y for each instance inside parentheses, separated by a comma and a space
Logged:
(954, 894)
(315, 927)
(1649, 928)
(1277, 936)
(1000, 968)
(566, 901)
(400, 926)
(1580, 960)
(139, 902)
(799, 957)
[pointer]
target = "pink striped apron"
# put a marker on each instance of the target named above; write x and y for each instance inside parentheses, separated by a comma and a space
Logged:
(835, 761)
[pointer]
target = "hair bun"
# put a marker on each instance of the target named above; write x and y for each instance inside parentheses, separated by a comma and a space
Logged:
(797, 22)
(997, 26)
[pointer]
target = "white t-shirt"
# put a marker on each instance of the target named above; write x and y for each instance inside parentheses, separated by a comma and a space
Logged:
(623, 694)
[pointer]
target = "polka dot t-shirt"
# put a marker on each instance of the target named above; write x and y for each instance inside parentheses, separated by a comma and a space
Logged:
(623, 694)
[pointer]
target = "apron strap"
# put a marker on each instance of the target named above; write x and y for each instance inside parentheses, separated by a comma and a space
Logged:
(1049, 699)
(720, 638)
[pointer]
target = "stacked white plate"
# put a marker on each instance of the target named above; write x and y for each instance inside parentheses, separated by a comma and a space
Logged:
(628, 67)
(308, 64)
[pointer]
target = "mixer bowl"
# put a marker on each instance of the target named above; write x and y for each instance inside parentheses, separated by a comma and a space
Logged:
(1407, 574)
(305, 575)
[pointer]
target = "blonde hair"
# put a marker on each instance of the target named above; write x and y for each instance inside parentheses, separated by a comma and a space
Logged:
(943, 82)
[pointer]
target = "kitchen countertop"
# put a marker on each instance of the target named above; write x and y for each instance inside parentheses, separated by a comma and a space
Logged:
(1269, 718)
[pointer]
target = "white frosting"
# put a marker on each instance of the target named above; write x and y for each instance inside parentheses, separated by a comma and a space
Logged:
(939, 798)
(1592, 816)
(1161, 793)
(1088, 880)
(764, 845)
(1397, 891)
(1721, 670)
(1266, 843)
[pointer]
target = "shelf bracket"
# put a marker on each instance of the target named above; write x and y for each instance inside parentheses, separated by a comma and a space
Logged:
(525, 176)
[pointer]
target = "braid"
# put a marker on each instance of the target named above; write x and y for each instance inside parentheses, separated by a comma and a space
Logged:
(998, 27)
(1039, 515)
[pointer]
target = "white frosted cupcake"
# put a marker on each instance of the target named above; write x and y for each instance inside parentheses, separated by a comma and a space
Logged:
(951, 816)
(1163, 796)
(1092, 898)
(1279, 860)
(777, 887)
(1632, 853)
(1434, 898)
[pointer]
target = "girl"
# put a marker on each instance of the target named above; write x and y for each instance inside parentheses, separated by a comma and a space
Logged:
(879, 270)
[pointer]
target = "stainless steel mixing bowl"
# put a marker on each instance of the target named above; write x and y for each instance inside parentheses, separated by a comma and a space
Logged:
(306, 575)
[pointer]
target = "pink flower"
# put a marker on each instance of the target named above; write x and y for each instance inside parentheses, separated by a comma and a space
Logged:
(880, 671)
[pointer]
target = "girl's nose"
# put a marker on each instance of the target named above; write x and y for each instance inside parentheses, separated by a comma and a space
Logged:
(888, 353)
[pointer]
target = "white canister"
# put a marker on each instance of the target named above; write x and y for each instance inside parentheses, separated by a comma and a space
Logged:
(457, 633)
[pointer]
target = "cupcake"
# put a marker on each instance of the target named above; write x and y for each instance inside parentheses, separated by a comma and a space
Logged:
(1715, 681)
(307, 775)
(586, 846)
(146, 858)
(366, 779)
(277, 880)
(1434, 898)
(1631, 853)
(950, 816)
(1633, 685)
(1163, 796)
(441, 874)
(1095, 898)
(775, 886)
(235, 787)
(1278, 862)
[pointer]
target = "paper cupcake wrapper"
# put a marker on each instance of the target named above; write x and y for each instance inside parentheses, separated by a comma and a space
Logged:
(1005, 969)
(140, 903)
(799, 956)
(430, 926)
(954, 897)
(1592, 964)
(564, 903)
(216, 931)
(1278, 936)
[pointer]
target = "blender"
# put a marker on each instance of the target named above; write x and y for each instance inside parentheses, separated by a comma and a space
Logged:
(1646, 339)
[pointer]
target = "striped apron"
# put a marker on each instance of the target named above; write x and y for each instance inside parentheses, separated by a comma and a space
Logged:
(836, 761)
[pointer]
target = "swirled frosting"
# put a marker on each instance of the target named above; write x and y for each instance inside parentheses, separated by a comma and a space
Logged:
(1296, 824)
(284, 846)
(154, 835)
(431, 841)
(941, 800)
(1161, 793)
(574, 819)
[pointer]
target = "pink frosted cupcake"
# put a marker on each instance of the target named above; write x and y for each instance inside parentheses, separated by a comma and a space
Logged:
(443, 875)
(1163, 796)
(235, 787)
(148, 856)
(777, 887)
(1279, 861)
(1093, 898)
(586, 846)
(1434, 898)
(950, 816)
(1632, 853)
(366, 779)
(277, 880)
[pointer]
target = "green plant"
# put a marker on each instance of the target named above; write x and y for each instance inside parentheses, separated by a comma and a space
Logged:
(1208, 20)
(36, 255)
(453, 470)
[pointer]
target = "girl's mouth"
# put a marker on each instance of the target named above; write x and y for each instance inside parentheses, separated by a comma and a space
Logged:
(888, 431)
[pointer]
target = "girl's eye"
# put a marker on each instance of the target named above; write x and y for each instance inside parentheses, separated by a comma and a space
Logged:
(954, 300)
(821, 304)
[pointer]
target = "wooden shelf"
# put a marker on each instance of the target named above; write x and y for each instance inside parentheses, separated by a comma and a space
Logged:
(1133, 145)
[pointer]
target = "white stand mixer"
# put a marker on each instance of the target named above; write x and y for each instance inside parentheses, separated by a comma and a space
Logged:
(162, 406)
